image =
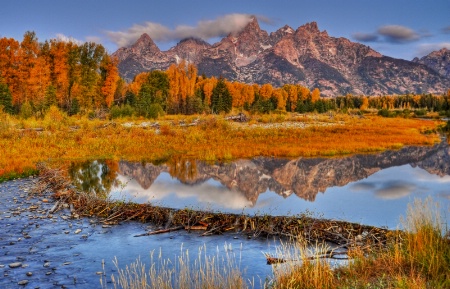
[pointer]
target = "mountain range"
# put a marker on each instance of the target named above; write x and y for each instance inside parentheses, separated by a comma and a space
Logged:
(305, 56)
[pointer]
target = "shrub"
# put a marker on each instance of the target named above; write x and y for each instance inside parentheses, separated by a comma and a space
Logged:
(420, 112)
(121, 111)
(26, 111)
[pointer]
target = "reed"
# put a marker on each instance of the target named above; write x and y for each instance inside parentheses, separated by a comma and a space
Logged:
(219, 271)
(416, 257)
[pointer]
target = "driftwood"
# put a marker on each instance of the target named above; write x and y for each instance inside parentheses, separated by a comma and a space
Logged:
(239, 117)
(37, 129)
(54, 208)
(108, 124)
(160, 231)
(196, 228)
(329, 254)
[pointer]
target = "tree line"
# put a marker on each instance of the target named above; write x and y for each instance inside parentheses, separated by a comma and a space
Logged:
(74, 77)
(82, 78)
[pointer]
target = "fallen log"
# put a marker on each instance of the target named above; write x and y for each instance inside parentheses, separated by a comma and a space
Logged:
(239, 117)
(38, 129)
(199, 228)
(160, 231)
(54, 208)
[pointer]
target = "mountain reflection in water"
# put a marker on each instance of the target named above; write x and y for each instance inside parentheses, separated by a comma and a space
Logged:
(251, 184)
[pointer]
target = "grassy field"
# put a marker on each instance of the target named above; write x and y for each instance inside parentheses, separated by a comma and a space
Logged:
(56, 137)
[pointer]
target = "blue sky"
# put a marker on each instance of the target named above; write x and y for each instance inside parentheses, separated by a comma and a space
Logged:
(401, 29)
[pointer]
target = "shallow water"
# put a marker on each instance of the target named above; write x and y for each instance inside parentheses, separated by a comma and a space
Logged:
(59, 257)
(370, 189)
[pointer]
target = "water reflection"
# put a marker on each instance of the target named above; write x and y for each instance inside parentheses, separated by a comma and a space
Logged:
(166, 191)
(266, 184)
(97, 177)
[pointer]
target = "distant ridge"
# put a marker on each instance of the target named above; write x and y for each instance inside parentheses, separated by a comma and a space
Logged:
(307, 56)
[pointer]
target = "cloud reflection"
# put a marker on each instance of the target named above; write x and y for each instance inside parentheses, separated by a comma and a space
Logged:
(169, 191)
(362, 186)
(394, 190)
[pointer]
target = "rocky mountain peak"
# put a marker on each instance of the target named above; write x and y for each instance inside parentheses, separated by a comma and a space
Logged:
(438, 60)
(145, 44)
(252, 26)
(441, 52)
(250, 41)
(310, 27)
(193, 40)
(189, 49)
(284, 31)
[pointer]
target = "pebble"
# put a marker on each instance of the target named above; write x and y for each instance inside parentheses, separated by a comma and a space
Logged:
(44, 200)
(77, 231)
(99, 273)
(67, 263)
(23, 282)
(46, 264)
(29, 274)
(48, 273)
(15, 265)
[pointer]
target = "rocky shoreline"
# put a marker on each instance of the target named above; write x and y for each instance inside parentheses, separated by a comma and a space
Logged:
(38, 249)
(61, 250)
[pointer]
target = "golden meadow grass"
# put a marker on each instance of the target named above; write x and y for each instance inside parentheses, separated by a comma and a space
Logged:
(23, 144)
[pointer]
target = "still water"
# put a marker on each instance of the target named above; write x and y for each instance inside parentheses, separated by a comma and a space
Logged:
(369, 189)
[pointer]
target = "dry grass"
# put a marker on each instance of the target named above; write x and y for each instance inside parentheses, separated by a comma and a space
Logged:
(205, 271)
(64, 138)
(419, 257)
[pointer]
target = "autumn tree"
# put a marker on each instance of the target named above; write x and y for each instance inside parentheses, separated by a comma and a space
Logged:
(91, 55)
(109, 77)
(9, 62)
(315, 95)
(292, 96)
(365, 103)
(59, 55)
(221, 100)
(5, 98)
(280, 96)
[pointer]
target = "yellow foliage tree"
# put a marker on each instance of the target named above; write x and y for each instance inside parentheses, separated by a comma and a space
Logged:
(315, 95)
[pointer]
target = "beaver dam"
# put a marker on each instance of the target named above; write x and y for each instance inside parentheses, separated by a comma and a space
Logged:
(82, 204)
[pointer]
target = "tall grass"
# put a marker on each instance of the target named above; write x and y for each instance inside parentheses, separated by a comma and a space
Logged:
(205, 271)
(417, 257)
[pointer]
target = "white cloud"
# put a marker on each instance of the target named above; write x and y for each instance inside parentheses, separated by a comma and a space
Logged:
(205, 29)
(64, 38)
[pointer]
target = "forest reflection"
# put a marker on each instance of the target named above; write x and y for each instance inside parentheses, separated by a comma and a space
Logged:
(303, 177)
